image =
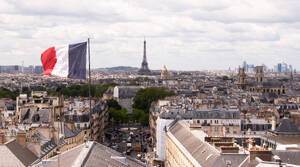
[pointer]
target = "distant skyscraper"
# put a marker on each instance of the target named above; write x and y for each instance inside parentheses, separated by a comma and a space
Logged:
(290, 68)
(11, 69)
(245, 66)
(279, 67)
(284, 67)
(38, 69)
(265, 68)
(144, 70)
(251, 68)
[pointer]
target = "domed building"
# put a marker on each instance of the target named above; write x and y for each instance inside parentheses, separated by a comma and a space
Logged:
(164, 73)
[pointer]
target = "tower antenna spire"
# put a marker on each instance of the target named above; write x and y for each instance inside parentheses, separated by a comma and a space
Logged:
(144, 70)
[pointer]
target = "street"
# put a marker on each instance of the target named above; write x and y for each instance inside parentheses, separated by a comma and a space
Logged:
(130, 140)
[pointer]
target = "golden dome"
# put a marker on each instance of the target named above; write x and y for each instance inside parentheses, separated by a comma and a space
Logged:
(164, 68)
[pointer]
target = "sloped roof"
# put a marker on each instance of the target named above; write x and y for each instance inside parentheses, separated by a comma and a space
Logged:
(202, 114)
(286, 127)
(68, 132)
(101, 155)
(66, 158)
(288, 156)
(91, 154)
(205, 154)
(128, 91)
(8, 158)
(28, 114)
(22, 153)
(267, 84)
(39, 135)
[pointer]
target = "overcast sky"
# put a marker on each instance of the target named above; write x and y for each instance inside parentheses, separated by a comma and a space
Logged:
(182, 34)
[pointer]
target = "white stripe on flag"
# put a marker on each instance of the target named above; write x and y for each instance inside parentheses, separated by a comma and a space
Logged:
(61, 67)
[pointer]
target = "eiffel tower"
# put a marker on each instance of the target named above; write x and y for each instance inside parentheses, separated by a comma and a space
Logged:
(144, 70)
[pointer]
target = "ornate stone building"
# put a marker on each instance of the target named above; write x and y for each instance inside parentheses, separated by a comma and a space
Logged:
(260, 84)
(241, 78)
(164, 73)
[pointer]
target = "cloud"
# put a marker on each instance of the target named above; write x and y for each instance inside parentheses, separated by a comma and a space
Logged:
(184, 35)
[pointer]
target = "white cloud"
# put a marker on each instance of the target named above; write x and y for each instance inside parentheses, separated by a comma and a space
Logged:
(186, 35)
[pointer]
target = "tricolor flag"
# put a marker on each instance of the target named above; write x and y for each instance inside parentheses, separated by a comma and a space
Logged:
(65, 61)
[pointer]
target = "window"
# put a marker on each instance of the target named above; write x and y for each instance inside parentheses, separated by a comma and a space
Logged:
(245, 127)
(198, 121)
(216, 129)
(234, 130)
(227, 130)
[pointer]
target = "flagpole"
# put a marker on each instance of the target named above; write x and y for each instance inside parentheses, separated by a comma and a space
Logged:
(90, 84)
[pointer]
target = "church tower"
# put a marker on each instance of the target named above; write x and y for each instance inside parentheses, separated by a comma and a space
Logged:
(259, 76)
(144, 70)
(241, 78)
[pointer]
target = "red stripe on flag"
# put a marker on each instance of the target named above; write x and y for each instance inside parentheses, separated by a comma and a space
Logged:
(49, 60)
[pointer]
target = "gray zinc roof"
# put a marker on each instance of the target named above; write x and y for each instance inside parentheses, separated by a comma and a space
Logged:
(288, 156)
(22, 153)
(201, 114)
(201, 151)
(91, 154)
(286, 127)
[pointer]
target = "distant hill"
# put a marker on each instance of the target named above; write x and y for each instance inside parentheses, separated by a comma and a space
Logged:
(119, 68)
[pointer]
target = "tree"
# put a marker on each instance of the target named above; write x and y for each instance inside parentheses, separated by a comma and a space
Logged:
(140, 116)
(133, 84)
(39, 88)
(144, 97)
(5, 93)
(142, 102)
(101, 89)
(118, 115)
(113, 104)
(137, 114)
(144, 120)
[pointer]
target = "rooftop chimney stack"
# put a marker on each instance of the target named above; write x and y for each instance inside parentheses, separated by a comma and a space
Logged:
(21, 138)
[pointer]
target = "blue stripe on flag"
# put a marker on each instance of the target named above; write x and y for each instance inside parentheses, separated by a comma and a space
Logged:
(77, 60)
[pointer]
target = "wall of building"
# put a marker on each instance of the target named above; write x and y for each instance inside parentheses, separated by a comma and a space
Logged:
(161, 136)
(174, 156)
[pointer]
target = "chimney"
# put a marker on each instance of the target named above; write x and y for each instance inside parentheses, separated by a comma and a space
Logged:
(265, 155)
(244, 144)
(21, 138)
(2, 140)
(229, 149)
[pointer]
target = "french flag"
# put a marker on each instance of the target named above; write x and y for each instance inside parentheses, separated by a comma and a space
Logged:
(65, 61)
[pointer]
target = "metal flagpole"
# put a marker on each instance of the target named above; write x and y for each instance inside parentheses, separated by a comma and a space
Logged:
(90, 116)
